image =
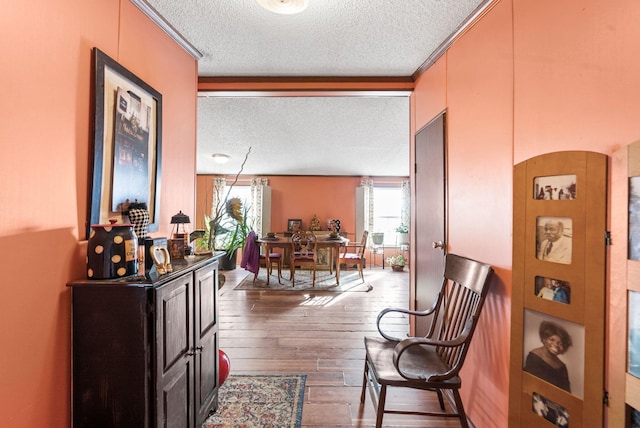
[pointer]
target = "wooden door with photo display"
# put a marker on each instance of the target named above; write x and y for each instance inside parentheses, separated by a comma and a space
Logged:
(558, 294)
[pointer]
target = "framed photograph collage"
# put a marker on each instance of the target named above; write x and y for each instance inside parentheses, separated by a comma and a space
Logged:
(559, 284)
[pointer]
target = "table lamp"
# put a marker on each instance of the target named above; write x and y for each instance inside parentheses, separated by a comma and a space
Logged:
(181, 231)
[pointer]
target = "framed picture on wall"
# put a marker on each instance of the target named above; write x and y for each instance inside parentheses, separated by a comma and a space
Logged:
(294, 224)
(127, 143)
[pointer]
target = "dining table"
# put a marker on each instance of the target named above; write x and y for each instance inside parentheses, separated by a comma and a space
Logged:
(333, 243)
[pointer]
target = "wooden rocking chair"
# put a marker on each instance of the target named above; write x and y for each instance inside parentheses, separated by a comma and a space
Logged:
(431, 362)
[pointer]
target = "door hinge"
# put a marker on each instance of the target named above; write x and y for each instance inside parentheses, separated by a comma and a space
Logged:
(605, 397)
(607, 238)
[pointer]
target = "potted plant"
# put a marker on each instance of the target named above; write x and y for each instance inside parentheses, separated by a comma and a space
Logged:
(377, 238)
(397, 262)
(403, 234)
(221, 228)
(233, 232)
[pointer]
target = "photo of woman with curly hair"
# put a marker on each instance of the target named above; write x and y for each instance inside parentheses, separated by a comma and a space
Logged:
(543, 361)
(554, 351)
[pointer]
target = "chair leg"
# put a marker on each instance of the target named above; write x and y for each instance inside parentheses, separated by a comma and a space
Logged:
(279, 271)
(460, 408)
(440, 399)
(364, 381)
(268, 265)
(381, 402)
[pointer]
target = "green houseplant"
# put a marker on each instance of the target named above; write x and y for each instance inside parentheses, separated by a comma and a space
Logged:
(237, 227)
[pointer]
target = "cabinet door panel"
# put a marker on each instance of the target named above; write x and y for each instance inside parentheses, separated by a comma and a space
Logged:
(206, 292)
(175, 368)
(206, 341)
(174, 301)
(176, 400)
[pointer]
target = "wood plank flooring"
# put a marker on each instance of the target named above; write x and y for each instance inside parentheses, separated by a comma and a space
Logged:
(320, 334)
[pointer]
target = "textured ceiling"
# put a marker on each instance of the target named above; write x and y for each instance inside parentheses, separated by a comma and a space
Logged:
(314, 135)
(334, 38)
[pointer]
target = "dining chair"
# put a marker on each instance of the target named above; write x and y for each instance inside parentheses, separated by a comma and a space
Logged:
(432, 362)
(268, 260)
(303, 253)
(353, 254)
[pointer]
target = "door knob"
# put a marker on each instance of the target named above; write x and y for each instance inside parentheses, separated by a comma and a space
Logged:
(438, 244)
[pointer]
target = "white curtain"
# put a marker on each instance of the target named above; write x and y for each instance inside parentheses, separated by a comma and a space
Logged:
(217, 200)
(405, 209)
(257, 203)
(367, 186)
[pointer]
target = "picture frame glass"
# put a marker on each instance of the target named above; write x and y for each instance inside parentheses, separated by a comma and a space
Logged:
(294, 224)
(552, 289)
(550, 410)
(634, 333)
(555, 187)
(553, 351)
(554, 239)
(634, 219)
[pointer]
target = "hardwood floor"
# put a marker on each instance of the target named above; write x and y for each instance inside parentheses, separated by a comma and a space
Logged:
(320, 334)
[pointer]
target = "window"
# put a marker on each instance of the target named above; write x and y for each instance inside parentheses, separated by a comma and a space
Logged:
(244, 193)
(387, 207)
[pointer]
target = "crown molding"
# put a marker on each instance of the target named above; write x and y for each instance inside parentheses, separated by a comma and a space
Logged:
(159, 20)
(479, 11)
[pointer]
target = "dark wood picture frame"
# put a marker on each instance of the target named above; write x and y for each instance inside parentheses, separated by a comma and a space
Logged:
(293, 222)
(117, 98)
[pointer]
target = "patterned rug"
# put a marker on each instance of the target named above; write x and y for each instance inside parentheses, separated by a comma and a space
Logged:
(259, 401)
(325, 281)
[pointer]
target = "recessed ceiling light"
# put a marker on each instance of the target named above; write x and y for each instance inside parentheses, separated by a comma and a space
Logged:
(220, 157)
(285, 7)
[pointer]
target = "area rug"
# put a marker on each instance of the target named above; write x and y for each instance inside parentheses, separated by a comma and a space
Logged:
(259, 401)
(325, 281)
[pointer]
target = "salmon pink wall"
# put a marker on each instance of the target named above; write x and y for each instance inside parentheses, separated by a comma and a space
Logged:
(576, 76)
(302, 197)
(479, 116)
(530, 77)
(45, 136)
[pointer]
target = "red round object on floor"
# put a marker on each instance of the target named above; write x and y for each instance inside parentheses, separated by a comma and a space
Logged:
(224, 367)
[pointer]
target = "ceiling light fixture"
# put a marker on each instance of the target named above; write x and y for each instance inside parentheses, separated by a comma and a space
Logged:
(285, 7)
(220, 157)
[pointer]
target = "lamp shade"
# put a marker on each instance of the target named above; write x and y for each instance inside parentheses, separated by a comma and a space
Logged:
(180, 218)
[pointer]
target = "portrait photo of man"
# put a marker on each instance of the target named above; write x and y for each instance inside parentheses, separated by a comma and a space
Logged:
(554, 239)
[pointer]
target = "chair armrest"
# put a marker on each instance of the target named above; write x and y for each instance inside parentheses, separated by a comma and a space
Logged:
(405, 344)
(402, 311)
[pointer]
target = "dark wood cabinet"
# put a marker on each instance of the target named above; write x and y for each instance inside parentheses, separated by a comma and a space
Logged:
(145, 349)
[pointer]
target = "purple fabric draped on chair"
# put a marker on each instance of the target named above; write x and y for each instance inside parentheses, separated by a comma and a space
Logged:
(251, 256)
